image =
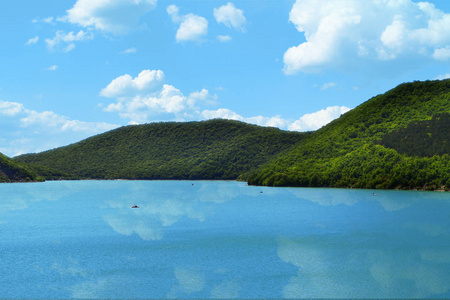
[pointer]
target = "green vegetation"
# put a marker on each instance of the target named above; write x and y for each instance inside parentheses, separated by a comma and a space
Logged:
(424, 138)
(398, 140)
(215, 149)
(359, 149)
(12, 171)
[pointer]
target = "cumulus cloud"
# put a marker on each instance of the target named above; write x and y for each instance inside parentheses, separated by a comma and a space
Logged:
(337, 32)
(32, 41)
(192, 27)
(117, 17)
(224, 113)
(10, 108)
(125, 85)
(167, 102)
(25, 130)
(318, 119)
(66, 41)
(146, 96)
(230, 16)
(202, 96)
(307, 122)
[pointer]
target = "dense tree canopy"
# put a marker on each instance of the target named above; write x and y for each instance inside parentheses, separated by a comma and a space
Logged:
(396, 140)
(12, 171)
(423, 138)
(215, 149)
(348, 152)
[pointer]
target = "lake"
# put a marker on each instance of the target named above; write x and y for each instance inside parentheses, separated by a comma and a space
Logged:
(216, 239)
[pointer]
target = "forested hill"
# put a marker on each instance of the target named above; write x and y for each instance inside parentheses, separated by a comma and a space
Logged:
(396, 140)
(12, 171)
(215, 149)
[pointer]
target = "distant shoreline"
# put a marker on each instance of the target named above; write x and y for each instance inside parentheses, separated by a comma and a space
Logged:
(442, 189)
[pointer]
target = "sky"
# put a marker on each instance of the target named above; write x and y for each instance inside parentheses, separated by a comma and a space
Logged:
(71, 69)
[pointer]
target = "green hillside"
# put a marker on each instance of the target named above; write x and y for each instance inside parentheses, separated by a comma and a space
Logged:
(12, 171)
(422, 138)
(215, 149)
(395, 140)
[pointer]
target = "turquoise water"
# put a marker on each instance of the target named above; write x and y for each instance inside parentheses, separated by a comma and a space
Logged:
(205, 239)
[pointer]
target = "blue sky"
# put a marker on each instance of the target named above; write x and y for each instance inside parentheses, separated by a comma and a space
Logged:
(73, 69)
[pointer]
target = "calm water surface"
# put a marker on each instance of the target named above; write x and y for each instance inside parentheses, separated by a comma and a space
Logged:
(206, 239)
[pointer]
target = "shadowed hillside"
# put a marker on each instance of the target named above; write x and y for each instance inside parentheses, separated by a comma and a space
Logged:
(423, 138)
(12, 171)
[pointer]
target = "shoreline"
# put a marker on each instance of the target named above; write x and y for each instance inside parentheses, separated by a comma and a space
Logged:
(442, 189)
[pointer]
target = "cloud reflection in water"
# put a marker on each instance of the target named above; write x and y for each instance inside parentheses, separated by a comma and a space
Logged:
(162, 208)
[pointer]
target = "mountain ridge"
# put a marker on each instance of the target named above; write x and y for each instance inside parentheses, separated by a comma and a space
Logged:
(13, 171)
(361, 149)
(347, 152)
(213, 149)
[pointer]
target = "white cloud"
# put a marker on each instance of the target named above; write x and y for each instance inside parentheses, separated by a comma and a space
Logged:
(224, 38)
(230, 16)
(10, 108)
(328, 85)
(143, 108)
(147, 98)
(307, 122)
(174, 13)
(338, 32)
(66, 41)
(444, 76)
(52, 68)
(394, 34)
(117, 17)
(60, 124)
(125, 85)
(32, 41)
(203, 96)
(129, 51)
(222, 113)
(276, 121)
(192, 27)
(442, 53)
(318, 119)
(25, 131)
(48, 20)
